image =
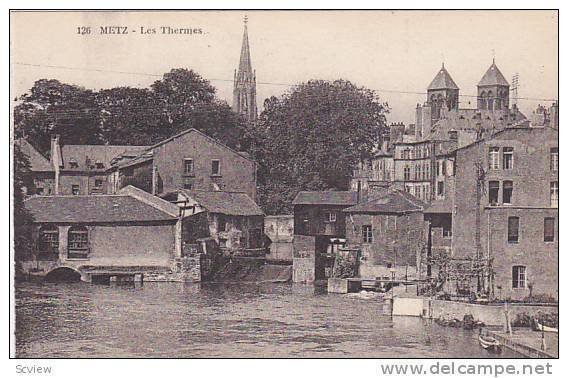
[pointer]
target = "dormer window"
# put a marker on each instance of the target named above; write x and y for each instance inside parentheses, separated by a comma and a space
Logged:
(99, 164)
(73, 163)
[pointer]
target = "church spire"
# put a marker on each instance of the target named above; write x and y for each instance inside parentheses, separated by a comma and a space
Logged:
(244, 91)
(245, 66)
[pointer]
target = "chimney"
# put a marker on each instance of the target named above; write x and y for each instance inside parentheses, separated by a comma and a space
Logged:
(55, 160)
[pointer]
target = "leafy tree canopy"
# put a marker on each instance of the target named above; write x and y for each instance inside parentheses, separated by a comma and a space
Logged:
(312, 137)
(127, 116)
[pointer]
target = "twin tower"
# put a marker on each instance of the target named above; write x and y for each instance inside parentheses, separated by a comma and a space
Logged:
(492, 92)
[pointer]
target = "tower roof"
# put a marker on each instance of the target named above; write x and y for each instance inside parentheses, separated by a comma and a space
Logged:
(493, 77)
(443, 80)
(245, 65)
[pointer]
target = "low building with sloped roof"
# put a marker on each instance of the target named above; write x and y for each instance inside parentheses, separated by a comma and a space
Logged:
(389, 232)
(131, 232)
(232, 220)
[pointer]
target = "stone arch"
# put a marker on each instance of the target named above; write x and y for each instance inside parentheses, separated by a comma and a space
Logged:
(63, 274)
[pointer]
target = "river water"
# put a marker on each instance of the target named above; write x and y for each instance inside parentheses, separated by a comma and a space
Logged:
(229, 320)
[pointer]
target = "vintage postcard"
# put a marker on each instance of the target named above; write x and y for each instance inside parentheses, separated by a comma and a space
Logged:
(285, 184)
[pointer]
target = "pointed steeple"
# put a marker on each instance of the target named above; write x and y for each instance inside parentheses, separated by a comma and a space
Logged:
(245, 65)
(244, 89)
(493, 76)
(442, 80)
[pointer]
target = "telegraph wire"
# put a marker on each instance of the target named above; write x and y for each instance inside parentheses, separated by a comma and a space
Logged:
(258, 83)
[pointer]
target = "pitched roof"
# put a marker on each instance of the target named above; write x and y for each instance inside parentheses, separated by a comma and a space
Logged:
(86, 156)
(439, 207)
(92, 209)
(325, 198)
(145, 153)
(395, 201)
(228, 203)
(38, 162)
(493, 77)
(442, 80)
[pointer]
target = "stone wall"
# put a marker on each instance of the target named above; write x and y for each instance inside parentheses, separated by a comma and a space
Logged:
(488, 314)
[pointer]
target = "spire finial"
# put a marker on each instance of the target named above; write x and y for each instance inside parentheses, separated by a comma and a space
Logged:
(493, 53)
(245, 19)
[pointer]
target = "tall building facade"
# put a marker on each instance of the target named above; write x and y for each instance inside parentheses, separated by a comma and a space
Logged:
(244, 89)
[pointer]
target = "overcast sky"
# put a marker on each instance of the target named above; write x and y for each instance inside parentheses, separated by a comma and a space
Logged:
(390, 52)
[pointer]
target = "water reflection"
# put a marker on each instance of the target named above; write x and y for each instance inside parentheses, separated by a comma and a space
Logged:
(221, 320)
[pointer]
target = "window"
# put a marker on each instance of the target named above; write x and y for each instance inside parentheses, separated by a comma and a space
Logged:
(407, 173)
(440, 188)
(507, 157)
(447, 229)
(549, 229)
(493, 192)
(75, 190)
(222, 223)
(98, 184)
(330, 217)
(494, 158)
(507, 192)
(443, 167)
(187, 183)
(78, 242)
(215, 167)
(49, 239)
(418, 173)
(513, 230)
(554, 159)
(99, 164)
(367, 233)
(519, 276)
(73, 163)
(39, 191)
(188, 166)
(554, 194)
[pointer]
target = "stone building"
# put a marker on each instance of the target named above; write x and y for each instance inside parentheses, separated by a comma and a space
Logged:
(389, 232)
(129, 233)
(244, 83)
(42, 172)
(232, 220)
(189, 160)
(319, 231)
(505, 211)
(441, 126)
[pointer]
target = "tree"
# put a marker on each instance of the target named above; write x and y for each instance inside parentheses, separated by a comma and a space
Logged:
(52, 107)
(130, 116)
(312, 137)
(22, 218)
(181, 99)
(188, 101)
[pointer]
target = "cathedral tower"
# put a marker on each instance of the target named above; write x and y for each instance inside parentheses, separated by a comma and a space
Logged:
(442, 93)
(493, 90)
(244, 89)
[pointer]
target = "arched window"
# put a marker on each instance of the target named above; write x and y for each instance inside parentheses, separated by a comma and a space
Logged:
(48, 240)
(483, 100)
(490, 100)
(78, 242)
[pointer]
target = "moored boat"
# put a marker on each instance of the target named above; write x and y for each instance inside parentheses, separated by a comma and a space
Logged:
(543, 328)
(489, 343)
